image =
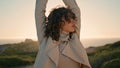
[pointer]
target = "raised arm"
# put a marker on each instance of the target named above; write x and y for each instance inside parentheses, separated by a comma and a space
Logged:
(74, 7)
(40, 18)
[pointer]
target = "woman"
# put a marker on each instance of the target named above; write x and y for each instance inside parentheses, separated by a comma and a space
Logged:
(58, 37)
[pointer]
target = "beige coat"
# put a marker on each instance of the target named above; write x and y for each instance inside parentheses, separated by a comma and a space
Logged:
(48, 54)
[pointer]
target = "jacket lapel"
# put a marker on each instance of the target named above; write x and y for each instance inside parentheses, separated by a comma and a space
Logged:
(73, 49)
(76, 51)
(53, 51)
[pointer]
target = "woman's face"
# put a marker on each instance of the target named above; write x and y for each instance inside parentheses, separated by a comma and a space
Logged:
(69, 26)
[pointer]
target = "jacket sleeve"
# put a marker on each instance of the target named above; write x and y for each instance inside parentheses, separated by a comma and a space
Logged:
(74, 7)
(40, 18)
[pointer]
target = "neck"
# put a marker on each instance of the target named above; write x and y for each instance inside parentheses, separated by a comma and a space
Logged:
(63, 32)
(64, 35)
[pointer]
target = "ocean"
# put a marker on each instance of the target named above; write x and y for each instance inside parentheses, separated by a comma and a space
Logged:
(91, 42)
(95, 42)
(10, 41)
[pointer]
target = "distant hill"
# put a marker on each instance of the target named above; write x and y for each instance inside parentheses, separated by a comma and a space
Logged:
(23, 47)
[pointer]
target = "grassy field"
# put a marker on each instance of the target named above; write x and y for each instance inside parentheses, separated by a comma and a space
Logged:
(18, 54)
(107, 56)
(24, 53)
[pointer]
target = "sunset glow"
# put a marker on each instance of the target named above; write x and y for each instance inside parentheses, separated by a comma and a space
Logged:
(99, 19)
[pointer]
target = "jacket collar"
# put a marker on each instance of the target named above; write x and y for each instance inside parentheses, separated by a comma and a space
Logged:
(53, 50)
(73, 49)
(64, 36)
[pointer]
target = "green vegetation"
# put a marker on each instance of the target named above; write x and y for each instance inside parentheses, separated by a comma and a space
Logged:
(107, 56)
(24, 53)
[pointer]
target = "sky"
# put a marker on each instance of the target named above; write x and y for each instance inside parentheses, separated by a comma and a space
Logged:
(99, 18)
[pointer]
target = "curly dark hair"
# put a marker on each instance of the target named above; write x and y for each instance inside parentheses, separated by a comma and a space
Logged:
(55, 20)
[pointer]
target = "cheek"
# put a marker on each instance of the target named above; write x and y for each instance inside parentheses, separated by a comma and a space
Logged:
(64, 27)
(68, 28)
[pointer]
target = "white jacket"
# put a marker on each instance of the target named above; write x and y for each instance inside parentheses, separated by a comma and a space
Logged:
(48, 54)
